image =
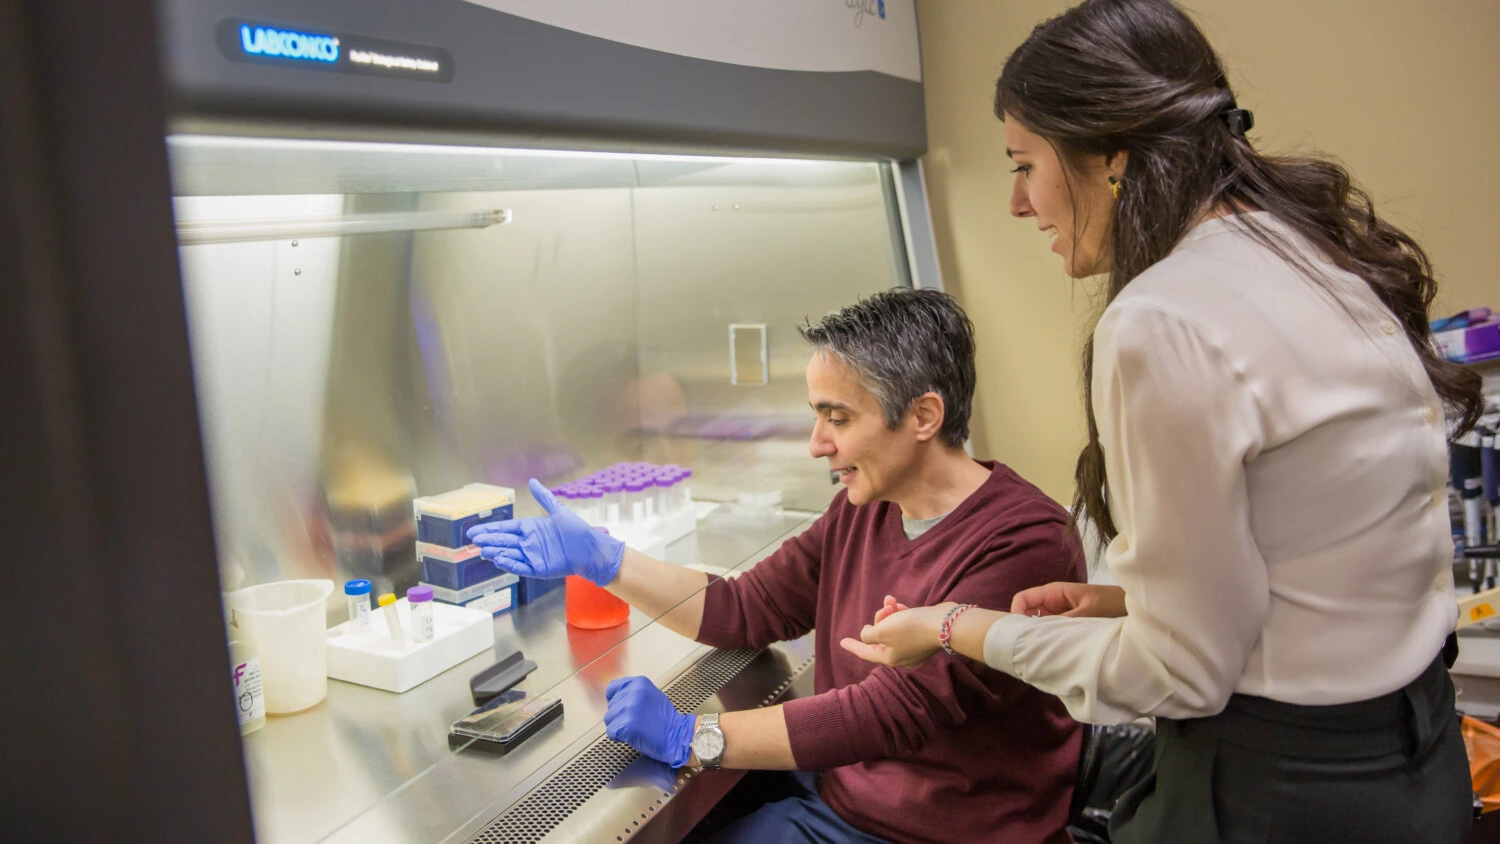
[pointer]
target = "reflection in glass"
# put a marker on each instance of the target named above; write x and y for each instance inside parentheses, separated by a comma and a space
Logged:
(342, 375)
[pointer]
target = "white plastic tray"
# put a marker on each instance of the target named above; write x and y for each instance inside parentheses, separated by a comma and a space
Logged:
(374, 660)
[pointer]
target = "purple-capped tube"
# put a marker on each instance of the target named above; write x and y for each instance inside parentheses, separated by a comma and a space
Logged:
(648, 493)
(663, 495)
(684, 489)
(419, 600)
(613, 499)
(582, 504)
(626, 500)
(648, 497)
(675, 472)
(576, 502)
(596, 504)
(636, 501)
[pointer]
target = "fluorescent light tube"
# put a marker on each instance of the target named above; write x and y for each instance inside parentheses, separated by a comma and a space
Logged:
(191, 233)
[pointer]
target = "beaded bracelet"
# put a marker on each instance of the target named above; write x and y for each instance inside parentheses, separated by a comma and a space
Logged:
(945, 634)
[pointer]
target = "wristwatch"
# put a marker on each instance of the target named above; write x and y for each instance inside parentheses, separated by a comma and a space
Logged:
(708, 743)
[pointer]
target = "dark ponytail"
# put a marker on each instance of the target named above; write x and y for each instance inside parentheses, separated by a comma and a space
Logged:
(1139, 76)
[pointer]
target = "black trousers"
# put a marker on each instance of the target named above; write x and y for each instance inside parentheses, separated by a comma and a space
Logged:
(1392, 769)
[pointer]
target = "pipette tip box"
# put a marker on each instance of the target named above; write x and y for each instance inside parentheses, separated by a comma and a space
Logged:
(373, 660)
(494, 596)
(532, 588)
(454, 568)
(445, 519)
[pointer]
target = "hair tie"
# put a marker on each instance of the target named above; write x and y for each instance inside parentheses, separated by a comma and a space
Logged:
(1240, 120)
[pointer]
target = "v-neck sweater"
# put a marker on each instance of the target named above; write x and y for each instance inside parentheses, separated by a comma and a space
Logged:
(946, 750)
(914, 528)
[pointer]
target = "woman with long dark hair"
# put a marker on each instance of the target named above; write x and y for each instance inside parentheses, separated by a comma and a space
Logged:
(1266, 459)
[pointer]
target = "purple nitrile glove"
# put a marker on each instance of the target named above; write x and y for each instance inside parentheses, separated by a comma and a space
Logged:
(640, 715)
(551, 546)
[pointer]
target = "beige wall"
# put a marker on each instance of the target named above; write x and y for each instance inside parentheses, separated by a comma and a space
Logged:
(1403, 92)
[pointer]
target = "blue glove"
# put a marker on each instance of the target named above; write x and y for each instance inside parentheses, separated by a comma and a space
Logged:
(642, 717)
(551, 546)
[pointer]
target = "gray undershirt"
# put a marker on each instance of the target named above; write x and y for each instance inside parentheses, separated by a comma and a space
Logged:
(916, 527)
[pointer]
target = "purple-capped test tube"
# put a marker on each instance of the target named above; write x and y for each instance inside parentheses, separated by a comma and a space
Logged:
(613, 499)
(662, 480)
(595, 497)
(647, 495)
(630, 503)
(581, 504)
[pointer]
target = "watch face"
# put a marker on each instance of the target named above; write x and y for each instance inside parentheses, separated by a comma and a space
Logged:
(708, 744)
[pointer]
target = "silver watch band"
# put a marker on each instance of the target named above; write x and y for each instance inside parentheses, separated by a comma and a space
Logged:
(709, 724)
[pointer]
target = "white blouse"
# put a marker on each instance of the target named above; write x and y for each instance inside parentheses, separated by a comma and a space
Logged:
(1277, 464)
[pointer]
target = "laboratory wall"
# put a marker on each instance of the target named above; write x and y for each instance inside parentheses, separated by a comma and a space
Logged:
(1400, 91)
(338, 377)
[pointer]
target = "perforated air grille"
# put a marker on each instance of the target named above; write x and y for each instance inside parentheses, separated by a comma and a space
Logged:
(705, 678)
(539, 812)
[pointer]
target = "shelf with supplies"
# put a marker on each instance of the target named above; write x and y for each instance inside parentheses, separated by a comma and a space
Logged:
(1489, 370)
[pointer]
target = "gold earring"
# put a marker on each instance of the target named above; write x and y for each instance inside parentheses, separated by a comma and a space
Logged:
(1115, 186)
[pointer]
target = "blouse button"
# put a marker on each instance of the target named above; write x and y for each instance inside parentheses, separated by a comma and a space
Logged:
(1388, 327)
(1440, 498)
(1430, 414)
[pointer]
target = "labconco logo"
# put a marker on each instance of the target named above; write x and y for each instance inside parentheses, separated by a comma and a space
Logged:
(286, 44)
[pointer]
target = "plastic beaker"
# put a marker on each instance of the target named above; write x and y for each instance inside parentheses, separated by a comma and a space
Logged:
(286, 622)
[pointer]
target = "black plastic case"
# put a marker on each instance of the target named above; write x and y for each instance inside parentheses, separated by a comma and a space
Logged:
(503, 723)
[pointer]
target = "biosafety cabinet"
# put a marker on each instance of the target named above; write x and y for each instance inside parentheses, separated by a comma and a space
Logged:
(424, 244)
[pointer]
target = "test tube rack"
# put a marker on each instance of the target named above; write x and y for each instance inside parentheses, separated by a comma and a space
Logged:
(373, 660)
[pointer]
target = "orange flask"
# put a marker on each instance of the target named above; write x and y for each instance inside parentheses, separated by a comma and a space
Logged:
(593, 608)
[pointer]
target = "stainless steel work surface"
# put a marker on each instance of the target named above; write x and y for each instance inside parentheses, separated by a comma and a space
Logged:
(369, 765)
(608, 790)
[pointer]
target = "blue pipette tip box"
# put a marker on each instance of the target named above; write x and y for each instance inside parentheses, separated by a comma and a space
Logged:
(445, 519)
(495, 596)
(533, 588)
(454, 568)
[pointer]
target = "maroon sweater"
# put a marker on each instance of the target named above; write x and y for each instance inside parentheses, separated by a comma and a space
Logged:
(946, 751)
